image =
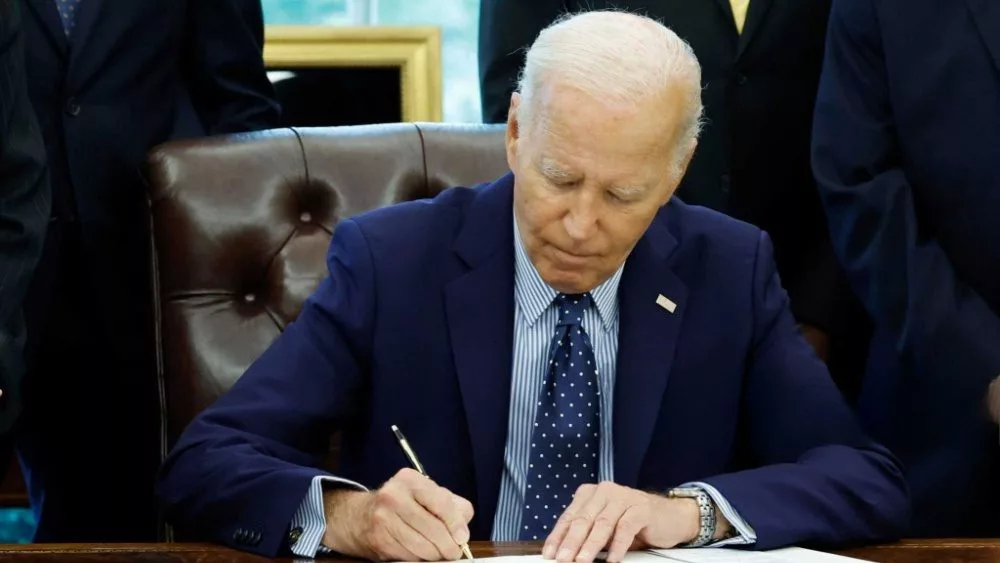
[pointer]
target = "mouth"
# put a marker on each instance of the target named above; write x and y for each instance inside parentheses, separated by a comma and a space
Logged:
(570, 258)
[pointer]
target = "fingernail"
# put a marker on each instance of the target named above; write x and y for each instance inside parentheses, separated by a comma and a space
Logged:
(549, 552)
(565, 555)
(461, 535)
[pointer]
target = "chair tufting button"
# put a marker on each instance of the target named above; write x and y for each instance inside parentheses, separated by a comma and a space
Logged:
(305, 217)
(249, 298)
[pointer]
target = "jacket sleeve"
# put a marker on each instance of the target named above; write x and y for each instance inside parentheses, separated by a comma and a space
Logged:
(240, 471)
(818, 479)
(506, 29)
(24, 205)
(941, 326)
(225, 66)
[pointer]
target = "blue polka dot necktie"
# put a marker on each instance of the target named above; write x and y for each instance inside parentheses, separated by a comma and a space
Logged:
(67, 13)
(565, 437)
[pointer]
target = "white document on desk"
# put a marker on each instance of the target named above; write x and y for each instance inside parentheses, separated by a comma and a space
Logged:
(723, 555)
(705, 555)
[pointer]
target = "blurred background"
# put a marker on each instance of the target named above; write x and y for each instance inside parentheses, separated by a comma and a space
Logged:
(457, 19)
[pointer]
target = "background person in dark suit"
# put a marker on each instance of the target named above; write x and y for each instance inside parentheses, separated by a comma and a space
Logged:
(761, 63)
(24, 213)
(110, 79)
(907, 155)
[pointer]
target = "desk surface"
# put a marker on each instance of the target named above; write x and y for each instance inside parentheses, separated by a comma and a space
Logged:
(922, 551)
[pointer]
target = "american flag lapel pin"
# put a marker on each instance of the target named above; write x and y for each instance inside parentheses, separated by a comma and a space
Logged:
(667, 304)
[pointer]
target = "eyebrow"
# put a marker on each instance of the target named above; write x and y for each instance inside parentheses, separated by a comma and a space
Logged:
(553, 170)
(629, 191)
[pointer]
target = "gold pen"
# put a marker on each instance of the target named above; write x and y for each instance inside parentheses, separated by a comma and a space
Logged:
(412, 456)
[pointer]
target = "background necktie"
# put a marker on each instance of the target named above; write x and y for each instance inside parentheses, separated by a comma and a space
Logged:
(67, 13)
(565, 439)
(740, 12)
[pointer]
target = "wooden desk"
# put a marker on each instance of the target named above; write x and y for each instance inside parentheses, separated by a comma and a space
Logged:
(924, 551)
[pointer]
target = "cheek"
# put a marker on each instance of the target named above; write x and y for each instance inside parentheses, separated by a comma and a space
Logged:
(627, 231)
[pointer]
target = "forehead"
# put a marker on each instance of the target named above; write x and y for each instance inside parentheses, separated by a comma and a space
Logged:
(572, 130)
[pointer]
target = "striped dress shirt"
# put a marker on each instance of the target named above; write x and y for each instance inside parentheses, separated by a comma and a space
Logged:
(534, 324)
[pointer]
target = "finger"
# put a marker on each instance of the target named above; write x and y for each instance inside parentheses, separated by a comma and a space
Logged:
(428, 524)
(580, 524)
(601, 531)
(629, 525)
(580, 498)
(465, 510)
(389, 549)
(413, 541)
(442, 504)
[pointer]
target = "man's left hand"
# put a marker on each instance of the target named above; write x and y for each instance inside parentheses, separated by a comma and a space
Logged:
(616, 518)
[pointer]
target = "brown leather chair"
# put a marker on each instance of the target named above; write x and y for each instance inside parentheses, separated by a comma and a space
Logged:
(241, 226)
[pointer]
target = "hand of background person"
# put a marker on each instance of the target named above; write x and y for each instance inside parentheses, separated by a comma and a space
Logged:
(818, 339)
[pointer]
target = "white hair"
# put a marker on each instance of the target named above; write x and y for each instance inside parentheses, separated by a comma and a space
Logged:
(619, 57)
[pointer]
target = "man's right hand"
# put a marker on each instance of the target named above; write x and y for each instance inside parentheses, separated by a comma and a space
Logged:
(409, 519)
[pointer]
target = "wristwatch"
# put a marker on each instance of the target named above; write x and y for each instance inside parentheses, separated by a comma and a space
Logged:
(706, 510)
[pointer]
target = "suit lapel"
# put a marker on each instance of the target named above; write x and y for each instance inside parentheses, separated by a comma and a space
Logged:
(756, 15)
(86, 19)
(647, 337)
(480, 310)
(726, 8)
(47, 13)
(986, 15)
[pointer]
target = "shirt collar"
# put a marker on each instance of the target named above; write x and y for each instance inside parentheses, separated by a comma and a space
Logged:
(534, 296)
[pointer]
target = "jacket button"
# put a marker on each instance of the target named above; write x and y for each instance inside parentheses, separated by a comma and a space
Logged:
(72, 107)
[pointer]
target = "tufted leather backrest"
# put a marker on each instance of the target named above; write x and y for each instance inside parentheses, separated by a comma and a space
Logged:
(241, 226)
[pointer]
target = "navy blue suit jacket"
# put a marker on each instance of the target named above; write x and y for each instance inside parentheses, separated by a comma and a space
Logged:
(907, 155)
(414, 326)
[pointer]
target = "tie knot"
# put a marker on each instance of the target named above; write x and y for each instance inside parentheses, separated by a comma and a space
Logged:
(571, 307)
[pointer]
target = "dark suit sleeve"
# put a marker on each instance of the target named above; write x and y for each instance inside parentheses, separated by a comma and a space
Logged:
(506, 29)
(247, 461)
(24, 204)
(225, 65)
(818, 479)
(942, 326)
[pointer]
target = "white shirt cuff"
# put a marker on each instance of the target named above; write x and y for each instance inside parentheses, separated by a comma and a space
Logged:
(309, 523)
(744, 533)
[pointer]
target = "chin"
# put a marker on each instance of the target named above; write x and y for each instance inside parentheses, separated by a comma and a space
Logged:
(567, 282)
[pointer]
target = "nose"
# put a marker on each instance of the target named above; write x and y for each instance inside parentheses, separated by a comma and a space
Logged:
(581, 219)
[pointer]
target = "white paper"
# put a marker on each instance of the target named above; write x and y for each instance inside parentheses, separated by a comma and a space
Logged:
(723, 555)
(704, 555)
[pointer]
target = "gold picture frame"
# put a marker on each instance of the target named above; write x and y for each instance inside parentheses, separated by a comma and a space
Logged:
(415, 51)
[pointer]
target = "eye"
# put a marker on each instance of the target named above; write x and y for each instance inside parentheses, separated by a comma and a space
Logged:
(617, 197)
(563, 182)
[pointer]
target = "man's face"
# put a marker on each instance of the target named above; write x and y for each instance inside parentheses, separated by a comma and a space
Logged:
(589, 179)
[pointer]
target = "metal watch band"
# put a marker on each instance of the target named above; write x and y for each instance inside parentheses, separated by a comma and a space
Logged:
(706, 511)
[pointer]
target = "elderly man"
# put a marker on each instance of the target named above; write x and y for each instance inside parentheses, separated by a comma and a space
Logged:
(574, 359)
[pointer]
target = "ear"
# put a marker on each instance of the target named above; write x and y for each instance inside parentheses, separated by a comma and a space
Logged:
(513, 130)
(680, 170)
(685, 161)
